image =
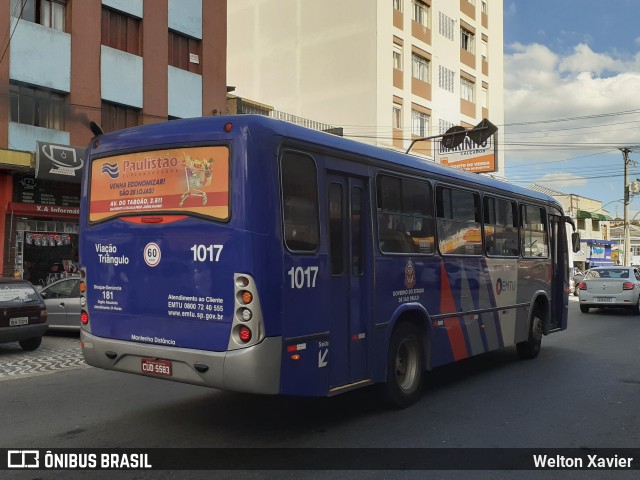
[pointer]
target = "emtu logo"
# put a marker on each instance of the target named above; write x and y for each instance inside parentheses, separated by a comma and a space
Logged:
(505, 286)
(23, 459)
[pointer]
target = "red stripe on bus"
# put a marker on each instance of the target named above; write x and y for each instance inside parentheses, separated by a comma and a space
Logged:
(452, 324)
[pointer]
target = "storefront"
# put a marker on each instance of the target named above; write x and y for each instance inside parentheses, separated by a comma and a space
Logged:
(41, 228)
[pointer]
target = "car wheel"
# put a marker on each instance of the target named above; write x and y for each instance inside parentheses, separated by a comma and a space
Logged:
(405, 366)
(576, 291)
(531, 348)
(30, 343)
(584, 309)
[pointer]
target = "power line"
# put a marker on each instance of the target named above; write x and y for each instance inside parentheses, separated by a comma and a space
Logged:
(4, 52)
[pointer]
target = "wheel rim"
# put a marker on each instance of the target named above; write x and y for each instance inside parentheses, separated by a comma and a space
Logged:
(407, 364)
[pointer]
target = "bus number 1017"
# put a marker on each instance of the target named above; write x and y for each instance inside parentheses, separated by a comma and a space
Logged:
(303, 277)
(206, 253)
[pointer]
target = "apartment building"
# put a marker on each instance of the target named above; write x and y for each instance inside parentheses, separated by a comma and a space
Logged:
(64, 63)
(387, 71)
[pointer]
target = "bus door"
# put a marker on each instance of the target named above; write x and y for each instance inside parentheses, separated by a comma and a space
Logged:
(349, 258)
(559, 270)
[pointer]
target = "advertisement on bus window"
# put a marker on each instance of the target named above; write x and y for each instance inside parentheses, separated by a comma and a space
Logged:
(181, 180)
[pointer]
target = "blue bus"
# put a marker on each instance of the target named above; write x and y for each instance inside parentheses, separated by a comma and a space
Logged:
(253, 255)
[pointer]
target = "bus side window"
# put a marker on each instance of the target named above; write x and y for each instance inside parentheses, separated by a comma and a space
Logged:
(405, 215)
(300, 202)
(459, 222)
(534, 238)
(500, 227)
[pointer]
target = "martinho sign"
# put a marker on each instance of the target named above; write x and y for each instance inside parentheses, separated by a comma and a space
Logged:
(469, 156)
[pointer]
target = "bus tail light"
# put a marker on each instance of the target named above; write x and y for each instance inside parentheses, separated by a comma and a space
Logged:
(245, 334)
(84, 317)
(628, 286)
(247, 327)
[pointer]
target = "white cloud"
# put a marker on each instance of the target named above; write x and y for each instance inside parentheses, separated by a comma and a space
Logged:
(584, 59)
(541, 85)
(557, 180)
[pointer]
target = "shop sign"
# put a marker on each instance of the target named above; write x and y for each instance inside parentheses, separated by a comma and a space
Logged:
(29, 190)
(469, 156)
(54, 211)
(62, 163)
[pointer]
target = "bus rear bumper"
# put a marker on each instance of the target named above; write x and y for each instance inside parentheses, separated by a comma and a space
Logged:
(253, 369)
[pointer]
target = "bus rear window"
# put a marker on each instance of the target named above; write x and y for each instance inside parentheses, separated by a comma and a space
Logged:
(179, 180)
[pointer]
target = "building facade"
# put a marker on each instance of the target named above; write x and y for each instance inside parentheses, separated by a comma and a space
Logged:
(598, 244)
(64, 63)
(387, 71)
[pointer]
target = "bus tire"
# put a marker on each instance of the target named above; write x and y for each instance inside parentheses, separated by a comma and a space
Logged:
(531, 347)
(405, 366)
(30, 343)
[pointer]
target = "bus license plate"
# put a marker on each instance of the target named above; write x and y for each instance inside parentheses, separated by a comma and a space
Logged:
(604, 299)
(156, 367)
(13, 322)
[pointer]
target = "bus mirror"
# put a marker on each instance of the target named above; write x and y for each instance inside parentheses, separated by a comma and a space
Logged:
(575, 240)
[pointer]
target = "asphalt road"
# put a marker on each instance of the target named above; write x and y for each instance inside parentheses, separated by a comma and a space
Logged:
(583, 391)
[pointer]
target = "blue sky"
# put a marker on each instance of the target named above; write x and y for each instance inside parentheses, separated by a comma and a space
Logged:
(572, 95)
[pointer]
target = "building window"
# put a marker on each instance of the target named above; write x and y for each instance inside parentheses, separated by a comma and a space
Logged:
(421, 13)
(120, 31)
(396, 120)
(467, 40)
(185, 52)
(443, 126)
(446, 78)
(467, 88)
(485, 97)
(446, 26)
(37, 107)
(397, 5)
(397, 57)
(419, 123)
(420, 68)
(484, 9)
(117, 117)
(50, 13)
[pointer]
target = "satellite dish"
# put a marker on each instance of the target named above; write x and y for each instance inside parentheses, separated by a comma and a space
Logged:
(454, 136)
(481, 132)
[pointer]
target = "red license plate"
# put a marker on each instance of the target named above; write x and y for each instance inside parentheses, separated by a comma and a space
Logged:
(156, 367)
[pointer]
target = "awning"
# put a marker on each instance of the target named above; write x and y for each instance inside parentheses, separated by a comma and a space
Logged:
(596, 216)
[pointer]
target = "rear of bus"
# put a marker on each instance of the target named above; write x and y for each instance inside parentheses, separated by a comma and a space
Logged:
(176, 242)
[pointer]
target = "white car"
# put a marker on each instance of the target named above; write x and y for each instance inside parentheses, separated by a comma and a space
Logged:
(610, 287)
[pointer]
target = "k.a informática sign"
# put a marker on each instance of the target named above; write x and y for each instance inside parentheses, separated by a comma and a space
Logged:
(468, 155)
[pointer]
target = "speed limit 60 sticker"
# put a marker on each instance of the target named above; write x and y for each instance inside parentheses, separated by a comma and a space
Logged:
(152, 254)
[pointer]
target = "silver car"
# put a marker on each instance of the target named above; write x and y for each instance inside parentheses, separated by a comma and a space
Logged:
(62, 298)
(610, 287)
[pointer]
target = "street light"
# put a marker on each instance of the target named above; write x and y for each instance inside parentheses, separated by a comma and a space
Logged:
(455, 135)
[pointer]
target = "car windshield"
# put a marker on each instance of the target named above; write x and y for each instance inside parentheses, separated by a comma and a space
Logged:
(17, 294)
(609, 273)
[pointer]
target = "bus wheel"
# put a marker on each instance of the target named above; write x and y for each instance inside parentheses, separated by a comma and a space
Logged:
(405, 366)
(531, 348)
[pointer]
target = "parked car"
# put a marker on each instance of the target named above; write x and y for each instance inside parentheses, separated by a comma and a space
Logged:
(23, 314)
(62, 299)
(607, 287)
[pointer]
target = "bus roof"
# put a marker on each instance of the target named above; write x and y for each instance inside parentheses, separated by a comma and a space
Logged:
(199, 130)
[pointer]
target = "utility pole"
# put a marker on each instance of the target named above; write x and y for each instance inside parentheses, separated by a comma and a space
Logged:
(627, 240)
